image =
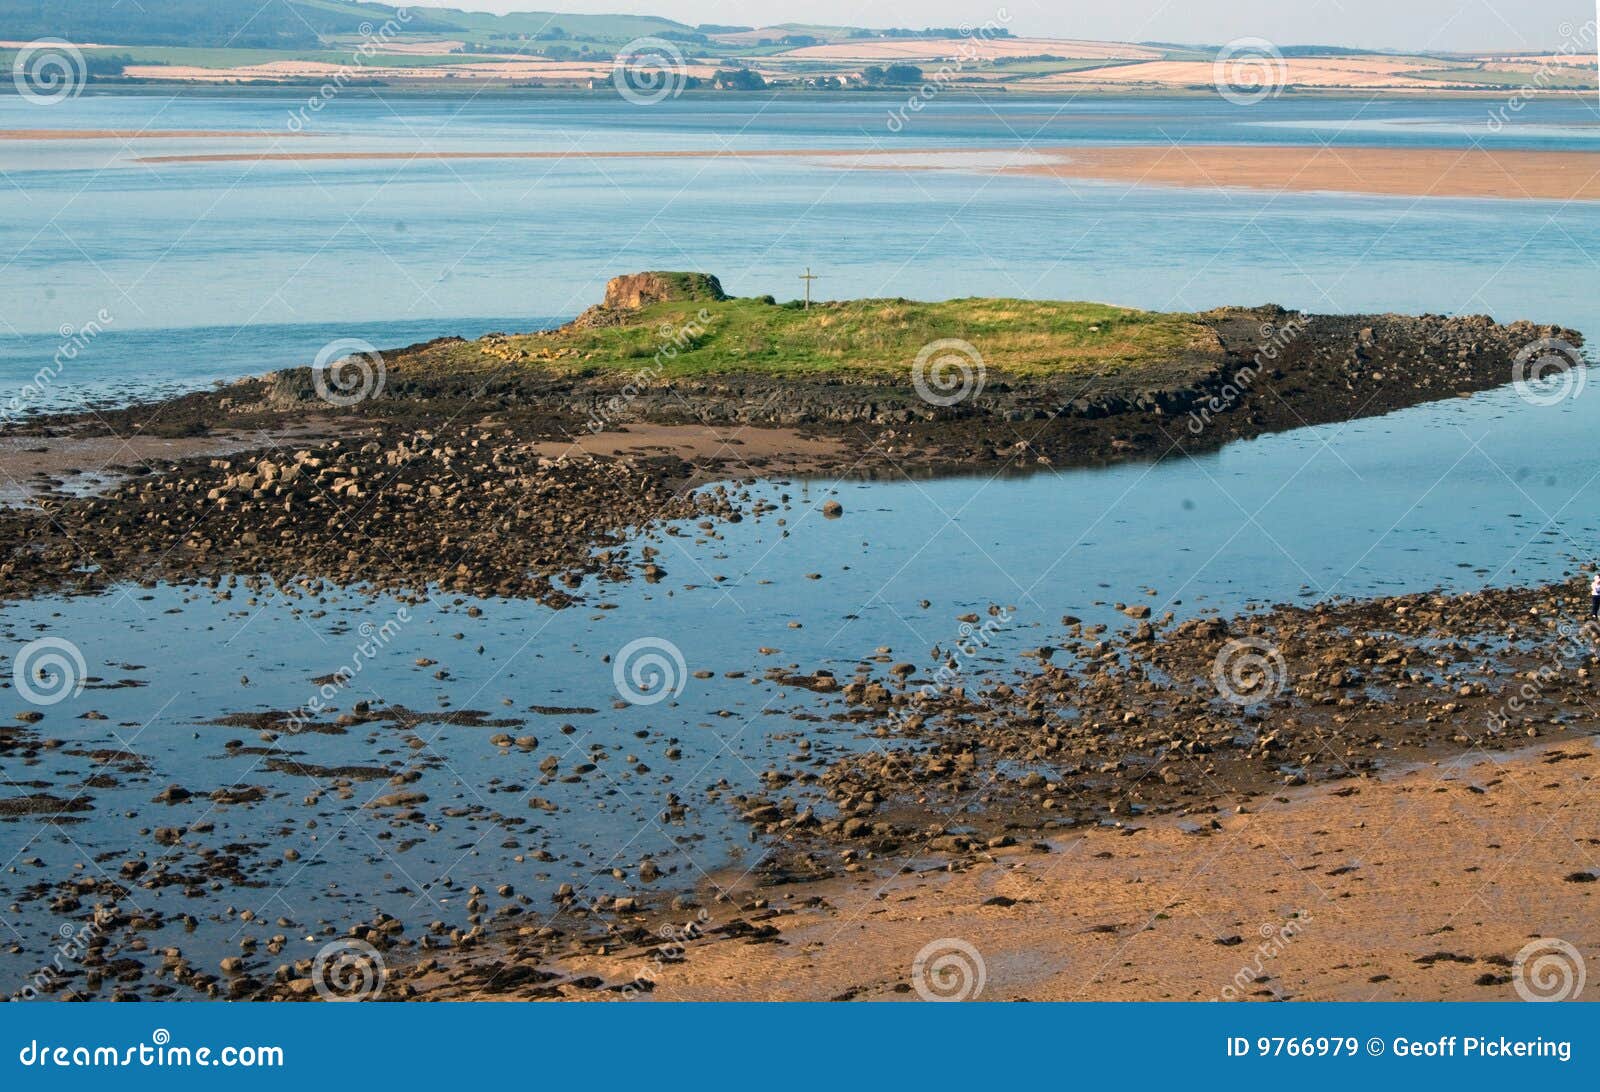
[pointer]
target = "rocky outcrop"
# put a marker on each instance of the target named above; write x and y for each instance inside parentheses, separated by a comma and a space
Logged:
(633, 291)
(459, 510)
(1261, 369)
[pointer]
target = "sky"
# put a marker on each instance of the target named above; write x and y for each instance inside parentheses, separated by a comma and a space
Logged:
(1371, 24)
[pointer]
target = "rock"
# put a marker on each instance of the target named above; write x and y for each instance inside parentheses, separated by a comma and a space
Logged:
(401, 799)
(632, 291)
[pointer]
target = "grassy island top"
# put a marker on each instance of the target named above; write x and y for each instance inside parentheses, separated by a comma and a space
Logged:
(695, 331)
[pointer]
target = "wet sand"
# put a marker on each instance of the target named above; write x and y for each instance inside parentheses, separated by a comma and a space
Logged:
(80, 464)
(780, 450)
(1409, 172)
(1425, 886)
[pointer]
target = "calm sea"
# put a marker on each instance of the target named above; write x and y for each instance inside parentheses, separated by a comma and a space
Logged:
(209, 271)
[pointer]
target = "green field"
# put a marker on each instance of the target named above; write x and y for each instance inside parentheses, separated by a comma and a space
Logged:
(482, 27)
(1020, 69)
(1554, 76)
(204, 57)
(882, 336)
(226, 34)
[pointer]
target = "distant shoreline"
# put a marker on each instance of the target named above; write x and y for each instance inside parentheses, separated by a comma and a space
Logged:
(1531, 175)
(469, 88)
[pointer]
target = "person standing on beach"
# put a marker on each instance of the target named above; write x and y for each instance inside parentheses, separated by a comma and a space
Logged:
(1594, 596)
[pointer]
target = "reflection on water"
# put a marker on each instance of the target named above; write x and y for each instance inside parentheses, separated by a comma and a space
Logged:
(211, 271)
(481, 694)
(251, 247)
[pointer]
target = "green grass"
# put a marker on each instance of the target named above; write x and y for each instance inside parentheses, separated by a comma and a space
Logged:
(865, 337)
(1016, 69)
(202, 56)
(1554, 76)
(480, 26)
(207, 57)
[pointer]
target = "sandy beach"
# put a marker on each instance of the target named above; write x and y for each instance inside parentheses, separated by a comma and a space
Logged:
(1408, 172)
(1420, 887)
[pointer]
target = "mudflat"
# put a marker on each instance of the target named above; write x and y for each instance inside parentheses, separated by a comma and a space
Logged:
(1400, 172)
(1405, 172)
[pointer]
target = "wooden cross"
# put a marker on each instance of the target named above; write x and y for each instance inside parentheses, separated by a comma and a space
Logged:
(808, 277)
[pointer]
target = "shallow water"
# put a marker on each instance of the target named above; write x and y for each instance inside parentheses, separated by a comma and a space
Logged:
(218, 270)
(236, 262)
(1493, 490)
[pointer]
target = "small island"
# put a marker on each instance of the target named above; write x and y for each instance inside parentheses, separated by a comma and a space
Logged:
(518, 455)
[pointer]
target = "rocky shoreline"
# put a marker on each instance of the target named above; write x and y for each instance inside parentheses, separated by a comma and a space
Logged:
(1187, 723)
(446, 478)
(1170, 726)
(469, 512)
(1266, 370)
(407, 493)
